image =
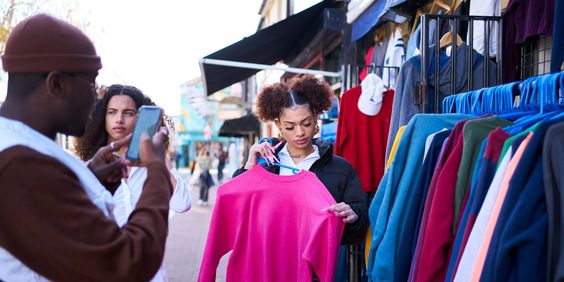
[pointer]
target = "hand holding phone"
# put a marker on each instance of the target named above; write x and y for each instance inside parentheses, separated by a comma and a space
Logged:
(148, 121)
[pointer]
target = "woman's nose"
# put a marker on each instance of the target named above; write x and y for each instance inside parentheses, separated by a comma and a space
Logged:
(120, 120)
(300, 131)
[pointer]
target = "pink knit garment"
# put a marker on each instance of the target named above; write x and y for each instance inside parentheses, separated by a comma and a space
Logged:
(275, 227)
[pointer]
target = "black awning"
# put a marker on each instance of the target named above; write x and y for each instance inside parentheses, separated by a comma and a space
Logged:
(240, 127)
(267, 46)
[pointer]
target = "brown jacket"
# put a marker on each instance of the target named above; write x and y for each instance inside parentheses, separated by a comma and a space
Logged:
(48, 222)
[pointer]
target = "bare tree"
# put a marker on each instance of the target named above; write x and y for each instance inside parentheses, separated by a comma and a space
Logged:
(13, 11)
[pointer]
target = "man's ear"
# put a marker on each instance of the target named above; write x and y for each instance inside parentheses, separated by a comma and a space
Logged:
(55, 84)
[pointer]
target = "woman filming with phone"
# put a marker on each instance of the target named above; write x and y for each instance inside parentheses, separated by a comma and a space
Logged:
(115, 117)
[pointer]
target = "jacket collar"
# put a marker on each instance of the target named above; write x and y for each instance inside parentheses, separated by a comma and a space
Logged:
(325, 150)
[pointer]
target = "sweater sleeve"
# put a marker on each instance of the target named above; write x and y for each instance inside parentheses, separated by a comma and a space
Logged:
(221, 237)
(322, 250)
(57, 231)
(341, 129)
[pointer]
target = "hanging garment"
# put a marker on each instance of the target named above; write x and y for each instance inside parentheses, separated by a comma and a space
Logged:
(480, 236)
(552, 155)
(388, 207)
(430, 259)
(443, 216)
(375, 55)
(484, 179)
(395, 146)
(464, 219)
(492, 220)
(361, 139)
(475, 238)
(367, 62)
(368, 241)
(425, 207)
(413, 43)
(518, 246)
(474, 132)
(409, 81)
(485, 8)
(380, 53)
(395, 56)
(523, 19)
(275, 228)
(557, 57)
(409, 228)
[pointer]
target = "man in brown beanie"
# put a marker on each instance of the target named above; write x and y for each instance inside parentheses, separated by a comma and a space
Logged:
(56, 215)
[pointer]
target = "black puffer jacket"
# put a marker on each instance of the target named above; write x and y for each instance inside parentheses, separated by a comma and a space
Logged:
(342, 182)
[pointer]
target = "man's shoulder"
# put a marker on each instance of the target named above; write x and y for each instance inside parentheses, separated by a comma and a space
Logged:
(20, 158)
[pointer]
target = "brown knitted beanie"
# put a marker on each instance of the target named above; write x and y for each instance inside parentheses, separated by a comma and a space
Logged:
(42, 43)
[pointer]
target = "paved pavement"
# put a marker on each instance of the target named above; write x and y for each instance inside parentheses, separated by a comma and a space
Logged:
(187, 238)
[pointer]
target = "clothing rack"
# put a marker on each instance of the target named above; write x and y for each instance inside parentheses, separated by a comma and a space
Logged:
(430, 102)
(352, 78)
(535, 92)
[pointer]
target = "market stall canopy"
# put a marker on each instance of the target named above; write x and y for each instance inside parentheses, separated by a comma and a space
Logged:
(240, 127)
(365, 14)
(267, 46)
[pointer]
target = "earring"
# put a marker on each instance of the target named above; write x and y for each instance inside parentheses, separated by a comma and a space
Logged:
(316, 129)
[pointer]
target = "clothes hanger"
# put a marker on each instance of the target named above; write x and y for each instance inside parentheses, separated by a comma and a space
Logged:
(441, 4)
(418, 15)
(534, 92)
(552, 85)
(448, 104)
(476, 103)
(447, 40)
(262, 161)
(457, 3)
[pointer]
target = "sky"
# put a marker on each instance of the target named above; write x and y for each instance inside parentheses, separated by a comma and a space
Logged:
(156, 45)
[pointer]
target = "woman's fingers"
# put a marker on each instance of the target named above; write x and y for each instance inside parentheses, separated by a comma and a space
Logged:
(342, 210)
(264, 150)
(351, 218)
(337, 207)
(273, 152)
(267, 153)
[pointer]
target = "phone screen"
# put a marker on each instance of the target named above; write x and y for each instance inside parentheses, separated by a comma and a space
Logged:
(148, 120)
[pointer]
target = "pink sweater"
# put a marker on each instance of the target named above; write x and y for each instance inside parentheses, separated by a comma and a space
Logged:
(275, 227)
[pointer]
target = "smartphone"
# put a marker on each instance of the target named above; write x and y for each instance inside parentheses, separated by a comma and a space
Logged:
(149, 119)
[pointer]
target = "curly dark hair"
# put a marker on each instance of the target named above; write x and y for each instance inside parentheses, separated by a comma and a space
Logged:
(304, 90)
(96, 135)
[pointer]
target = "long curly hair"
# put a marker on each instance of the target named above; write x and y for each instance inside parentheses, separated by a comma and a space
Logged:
(96, 135)
(304, 90)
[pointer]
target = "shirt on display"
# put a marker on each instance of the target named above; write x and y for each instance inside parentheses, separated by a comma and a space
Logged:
(275, 227)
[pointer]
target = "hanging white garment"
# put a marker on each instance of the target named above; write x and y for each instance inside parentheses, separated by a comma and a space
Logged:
(395, 56)
(485, 8)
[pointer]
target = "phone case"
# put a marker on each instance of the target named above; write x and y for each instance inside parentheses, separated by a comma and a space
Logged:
(148, 120)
